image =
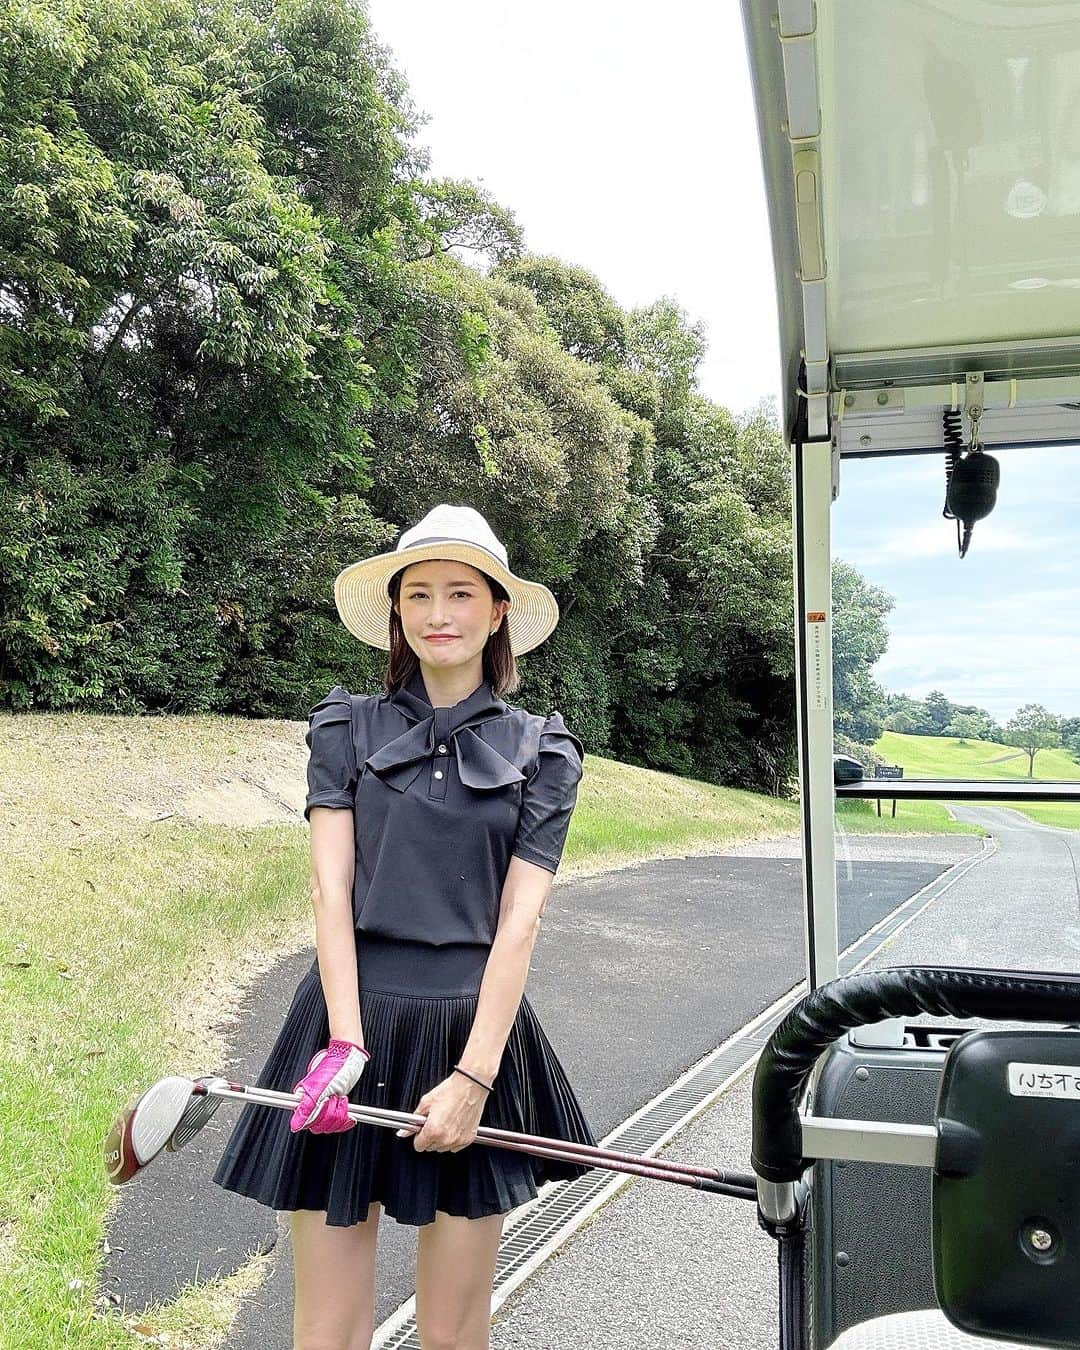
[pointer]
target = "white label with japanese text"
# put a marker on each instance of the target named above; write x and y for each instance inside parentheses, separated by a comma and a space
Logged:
(1045, 1080)
(816, 672)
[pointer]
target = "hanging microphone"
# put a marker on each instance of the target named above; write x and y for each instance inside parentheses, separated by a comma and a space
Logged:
(972, 493)
(971, 484)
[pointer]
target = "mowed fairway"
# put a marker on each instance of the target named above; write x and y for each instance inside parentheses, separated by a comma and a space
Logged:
(943, 757)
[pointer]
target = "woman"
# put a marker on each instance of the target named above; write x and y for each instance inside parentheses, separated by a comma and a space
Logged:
(438, 815)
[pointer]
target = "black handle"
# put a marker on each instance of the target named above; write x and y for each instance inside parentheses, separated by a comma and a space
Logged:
(871, 996)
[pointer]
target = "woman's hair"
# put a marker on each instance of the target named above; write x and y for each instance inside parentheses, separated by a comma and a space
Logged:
(500, 664)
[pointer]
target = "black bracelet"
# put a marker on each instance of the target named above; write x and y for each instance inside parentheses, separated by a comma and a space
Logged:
(467, 1074)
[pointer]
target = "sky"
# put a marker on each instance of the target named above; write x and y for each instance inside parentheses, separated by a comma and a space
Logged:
(998, 628)
(624, 139)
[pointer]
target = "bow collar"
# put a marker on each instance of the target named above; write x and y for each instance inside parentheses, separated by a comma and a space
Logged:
(479, 765)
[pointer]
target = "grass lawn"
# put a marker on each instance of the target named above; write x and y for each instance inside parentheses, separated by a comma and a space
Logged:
(625, 813)
(1062, 815)
(859, 817)
(940, 757)
(132, 923)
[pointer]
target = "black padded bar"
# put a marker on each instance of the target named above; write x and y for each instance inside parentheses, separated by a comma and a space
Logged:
(962, 789)
(872, 996)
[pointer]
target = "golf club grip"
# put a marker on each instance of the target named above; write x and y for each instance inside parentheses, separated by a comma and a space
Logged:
(872, 996)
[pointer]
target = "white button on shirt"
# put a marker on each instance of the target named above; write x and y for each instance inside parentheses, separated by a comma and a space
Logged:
(438, 773)
(442, 749)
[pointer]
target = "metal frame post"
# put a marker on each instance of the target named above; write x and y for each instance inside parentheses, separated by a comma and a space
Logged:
(812, 494)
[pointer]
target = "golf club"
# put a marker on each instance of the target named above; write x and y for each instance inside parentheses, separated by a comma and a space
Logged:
(169, 1113)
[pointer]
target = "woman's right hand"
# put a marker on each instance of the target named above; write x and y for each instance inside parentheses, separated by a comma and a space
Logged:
(332, 1073)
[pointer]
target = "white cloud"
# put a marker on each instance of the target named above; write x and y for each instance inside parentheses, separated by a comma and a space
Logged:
(1002, 626)
(984, 670)
(624, 143)
(1005, 617)
(938, 540)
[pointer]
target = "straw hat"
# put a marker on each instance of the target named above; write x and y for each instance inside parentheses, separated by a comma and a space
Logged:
(457, 532)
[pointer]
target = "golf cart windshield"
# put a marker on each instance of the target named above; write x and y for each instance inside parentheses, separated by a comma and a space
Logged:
(922, 173)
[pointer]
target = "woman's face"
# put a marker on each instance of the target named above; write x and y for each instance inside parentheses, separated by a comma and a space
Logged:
(447, 611)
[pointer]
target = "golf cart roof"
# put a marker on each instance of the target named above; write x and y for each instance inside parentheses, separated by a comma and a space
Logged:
(922, 171)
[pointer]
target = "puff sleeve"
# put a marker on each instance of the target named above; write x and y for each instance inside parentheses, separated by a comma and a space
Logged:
(331, 768)
(549, 796)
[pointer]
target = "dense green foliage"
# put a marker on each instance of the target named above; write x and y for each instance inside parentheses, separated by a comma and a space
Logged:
(694, 624)
(240, 347)
(936, 715)
(860, 639)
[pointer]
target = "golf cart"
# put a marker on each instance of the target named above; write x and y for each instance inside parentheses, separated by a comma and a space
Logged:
(922, 173)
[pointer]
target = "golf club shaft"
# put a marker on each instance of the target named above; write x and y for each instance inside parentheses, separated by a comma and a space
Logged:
(558, 1150)
(385, 1115)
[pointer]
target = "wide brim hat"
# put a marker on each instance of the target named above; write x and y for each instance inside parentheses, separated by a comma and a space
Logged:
(459, 533)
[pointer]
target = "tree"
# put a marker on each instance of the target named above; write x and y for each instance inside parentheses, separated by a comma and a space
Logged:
(965, 727)
(1032, 729)
(242, 346)
(1070, 735)
(698, 666)
(939, 710)
(211, 294)
(982, 726)
(462, 216)
(589, 323)
(860, 638)
(906, 714)
(180, 365)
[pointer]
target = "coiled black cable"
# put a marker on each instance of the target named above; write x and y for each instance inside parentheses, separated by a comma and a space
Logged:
(953, 428)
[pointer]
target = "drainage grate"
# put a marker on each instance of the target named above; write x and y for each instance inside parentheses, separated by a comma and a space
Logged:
(535, 1230)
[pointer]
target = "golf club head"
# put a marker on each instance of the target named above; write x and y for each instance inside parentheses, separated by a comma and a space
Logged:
(198, 1111)
(140, 1132)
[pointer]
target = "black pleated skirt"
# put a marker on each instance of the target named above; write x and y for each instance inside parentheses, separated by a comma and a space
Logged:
(417, 1004)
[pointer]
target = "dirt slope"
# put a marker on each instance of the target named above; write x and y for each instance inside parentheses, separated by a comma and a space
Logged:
(86, 771)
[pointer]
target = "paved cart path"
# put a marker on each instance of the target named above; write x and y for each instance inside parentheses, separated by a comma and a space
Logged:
(638, 973)
(1020, 909)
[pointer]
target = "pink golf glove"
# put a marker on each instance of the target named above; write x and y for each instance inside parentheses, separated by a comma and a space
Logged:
(324, 1107)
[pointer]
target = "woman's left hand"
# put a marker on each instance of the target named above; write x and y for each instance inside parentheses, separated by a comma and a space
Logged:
(453, 1109)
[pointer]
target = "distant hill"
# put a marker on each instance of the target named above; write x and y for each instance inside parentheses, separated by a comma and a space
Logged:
(945, 757)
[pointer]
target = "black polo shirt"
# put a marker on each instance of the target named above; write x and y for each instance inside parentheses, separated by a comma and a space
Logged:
(442, 797)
